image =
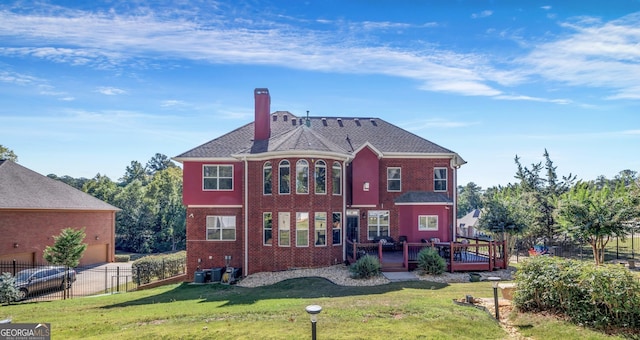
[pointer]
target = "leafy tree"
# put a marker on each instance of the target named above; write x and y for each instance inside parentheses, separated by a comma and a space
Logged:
(159, 162)
(134, 172)
(8, 290)
(67, 248)
(165, 191)
(77, 183)
(6, 153)
(597, 214)
(469, 198)
(101, 187)
(506, 214)
(134, 224)
(541, 196)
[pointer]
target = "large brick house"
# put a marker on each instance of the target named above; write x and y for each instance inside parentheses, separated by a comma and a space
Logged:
(34, 208)
(287, 192)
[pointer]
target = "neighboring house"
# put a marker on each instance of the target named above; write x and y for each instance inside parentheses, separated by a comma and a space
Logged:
(468, 224)
(34, 208)
(286, 192)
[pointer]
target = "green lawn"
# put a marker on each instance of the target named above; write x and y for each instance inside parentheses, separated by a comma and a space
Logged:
(403, 310)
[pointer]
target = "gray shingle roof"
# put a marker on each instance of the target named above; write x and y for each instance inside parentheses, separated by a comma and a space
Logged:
(423, 197)
(331, 134)
(21, 188)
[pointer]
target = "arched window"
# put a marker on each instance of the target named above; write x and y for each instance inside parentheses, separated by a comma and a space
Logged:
(320, 175)
(284, 177)
(302, 177)
(266, 178)
(336, 178)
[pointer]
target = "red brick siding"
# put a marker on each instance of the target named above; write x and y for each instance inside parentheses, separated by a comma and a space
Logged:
(32, 230)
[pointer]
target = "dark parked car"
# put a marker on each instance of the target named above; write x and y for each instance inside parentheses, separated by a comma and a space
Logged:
(43, 279)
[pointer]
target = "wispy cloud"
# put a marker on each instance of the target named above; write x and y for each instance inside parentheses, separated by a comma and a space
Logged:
(110, 91)
(17, 78)
(483, 14)
(594, 54)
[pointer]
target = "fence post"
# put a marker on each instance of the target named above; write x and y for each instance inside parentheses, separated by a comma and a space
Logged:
(14, 267)
(118, 279)
(106, 278)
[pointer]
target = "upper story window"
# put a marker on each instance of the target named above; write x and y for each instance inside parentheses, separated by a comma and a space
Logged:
(302, 177)
(267, 179)
(217, 177)
(336, 178)
(284, 177)
(394, 179)
(221, 228)
(440, 179)
(320, 175)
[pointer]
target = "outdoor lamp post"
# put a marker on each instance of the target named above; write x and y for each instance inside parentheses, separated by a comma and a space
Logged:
(494, 280)
(313, 310)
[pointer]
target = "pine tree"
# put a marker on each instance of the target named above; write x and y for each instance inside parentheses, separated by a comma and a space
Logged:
(67, 249)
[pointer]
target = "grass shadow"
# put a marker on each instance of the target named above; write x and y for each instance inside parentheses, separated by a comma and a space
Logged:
(303, 288)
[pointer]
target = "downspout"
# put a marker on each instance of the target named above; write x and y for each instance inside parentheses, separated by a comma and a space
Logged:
(455, 202)
(344, 210)
(246, 218)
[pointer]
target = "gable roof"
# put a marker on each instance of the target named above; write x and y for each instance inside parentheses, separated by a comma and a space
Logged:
(21, 188)
(470, 219)
(343, 136)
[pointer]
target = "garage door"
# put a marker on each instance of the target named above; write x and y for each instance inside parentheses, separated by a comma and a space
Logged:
(94, 254)
(19, 257)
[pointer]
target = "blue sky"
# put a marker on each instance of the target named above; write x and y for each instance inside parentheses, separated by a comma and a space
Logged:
(88, 87)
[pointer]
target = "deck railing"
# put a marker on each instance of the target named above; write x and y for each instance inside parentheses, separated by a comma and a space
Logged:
(472, 254)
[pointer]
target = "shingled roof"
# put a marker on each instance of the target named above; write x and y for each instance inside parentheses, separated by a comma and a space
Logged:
(323, 134)
(21, 188)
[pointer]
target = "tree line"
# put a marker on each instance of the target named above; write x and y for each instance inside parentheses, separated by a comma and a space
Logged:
(543, 208)
(152, 218)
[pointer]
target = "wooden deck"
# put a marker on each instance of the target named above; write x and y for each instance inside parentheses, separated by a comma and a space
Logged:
(475, 255)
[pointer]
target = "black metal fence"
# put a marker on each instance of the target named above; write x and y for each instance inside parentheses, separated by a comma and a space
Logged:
(90, 280)
(616, 249)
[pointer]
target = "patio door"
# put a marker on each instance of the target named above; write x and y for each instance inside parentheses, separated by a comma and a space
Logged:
(353, 221)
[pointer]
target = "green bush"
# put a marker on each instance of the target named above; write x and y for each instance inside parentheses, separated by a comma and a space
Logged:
(602, 297)
(8, 290)
(366, 267)
(123, 258)
(158, 267)
(430, 261)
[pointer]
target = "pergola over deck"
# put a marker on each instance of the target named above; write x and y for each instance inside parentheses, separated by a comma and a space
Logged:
(465, 254)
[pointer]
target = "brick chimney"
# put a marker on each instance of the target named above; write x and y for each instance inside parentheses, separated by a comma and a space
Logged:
(262, 124)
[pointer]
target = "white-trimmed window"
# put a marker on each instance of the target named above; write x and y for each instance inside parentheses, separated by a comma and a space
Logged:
(267, 228)
(284, 229)
(217, 177)
(427, 222)
(221, 228)
(440, 179)
(377, 223)
(320, 175)
(320, 228)
(394, 179)
(302, 229)
(336, 178)
(336, 228)
(284, 172)
(267, 178)
(302, 177)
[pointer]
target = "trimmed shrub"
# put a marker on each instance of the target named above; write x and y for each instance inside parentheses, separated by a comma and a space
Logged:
(122, 258)
(158, 267)
(602, 297)
(430, 262)
(366, 267)
(8, 290)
